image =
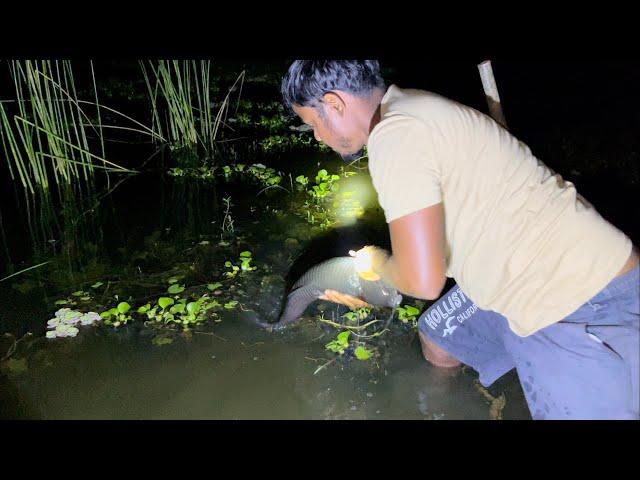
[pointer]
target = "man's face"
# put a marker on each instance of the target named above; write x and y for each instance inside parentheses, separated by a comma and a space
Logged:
(335, 128)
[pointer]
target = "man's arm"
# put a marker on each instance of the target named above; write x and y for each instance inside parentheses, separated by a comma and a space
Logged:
(417, 266)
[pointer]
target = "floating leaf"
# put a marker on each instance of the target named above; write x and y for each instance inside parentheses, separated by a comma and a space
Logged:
(164, 302)
(343, 338)
(144, 308)
(78, 293)
(173, 279)
(245, 254)
(123, 307)
(193, 307)
(214, 286)
(62, 302)
(362, 353)
(177, 308)
(97, 284)
(173, 289)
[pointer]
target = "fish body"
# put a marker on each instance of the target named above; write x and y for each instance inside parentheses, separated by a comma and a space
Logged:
(334, 274)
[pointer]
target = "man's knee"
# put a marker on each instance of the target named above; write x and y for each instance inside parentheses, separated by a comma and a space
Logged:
(436, 355)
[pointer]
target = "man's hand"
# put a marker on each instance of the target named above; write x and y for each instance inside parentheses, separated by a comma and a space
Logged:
(337, 297)
(369, 262)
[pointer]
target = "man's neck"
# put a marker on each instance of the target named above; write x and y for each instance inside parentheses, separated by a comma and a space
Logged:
(376, 115)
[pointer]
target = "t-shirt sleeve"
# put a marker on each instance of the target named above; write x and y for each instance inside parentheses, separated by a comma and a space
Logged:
(404, 168)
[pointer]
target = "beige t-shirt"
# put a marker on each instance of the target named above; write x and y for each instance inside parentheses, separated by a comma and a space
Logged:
(520, 240)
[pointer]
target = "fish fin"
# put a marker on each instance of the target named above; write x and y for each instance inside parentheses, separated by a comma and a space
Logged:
(297, 302)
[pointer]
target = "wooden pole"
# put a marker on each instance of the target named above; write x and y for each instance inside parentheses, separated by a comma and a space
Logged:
(491, 92)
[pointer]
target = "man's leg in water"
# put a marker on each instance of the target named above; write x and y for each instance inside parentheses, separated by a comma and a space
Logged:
(454, 330)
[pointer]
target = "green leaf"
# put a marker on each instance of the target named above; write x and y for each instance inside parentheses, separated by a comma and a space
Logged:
(173, 279)
(231, 304)
(193, 307)
(164, 302)
(106, 314)
(177, 308)
(173, 289)
(362, 353)
(97, 284)
(343, 338)
(245, 254)
(204, 242)
(227, 263)
(123, 307)
(78, 293)
(62, 302)
(214, 286)
(144, 308)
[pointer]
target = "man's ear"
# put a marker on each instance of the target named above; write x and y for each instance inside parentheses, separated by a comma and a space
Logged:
(334, 102)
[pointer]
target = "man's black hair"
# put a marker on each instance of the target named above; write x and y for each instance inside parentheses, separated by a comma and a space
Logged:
(307, 81)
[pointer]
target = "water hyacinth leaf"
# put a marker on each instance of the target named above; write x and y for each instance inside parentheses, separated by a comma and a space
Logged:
(193, 307)
(214, 286)
(78, 293)
(51, 334)
(61, 302)
(144, 308)
(173, 289)
(173, 279)
(204, 242)
(106, 314)
(245, 254)
(227, 263)
(343, 338)
(85, 298)
(231, 304)
(362, 353)
(177, 308)
(97, 284)
(123, 307)
(164, 302)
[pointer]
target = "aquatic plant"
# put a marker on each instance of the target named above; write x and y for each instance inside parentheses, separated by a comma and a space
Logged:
(181, 91)
(118, 315)
(408, 313)
(47, 135)
(63, 324)
(340, 344)
(245, 265)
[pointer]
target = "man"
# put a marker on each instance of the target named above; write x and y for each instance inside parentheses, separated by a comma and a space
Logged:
(544, 284)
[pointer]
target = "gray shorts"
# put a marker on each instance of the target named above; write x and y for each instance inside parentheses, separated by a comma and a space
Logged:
(582, 367)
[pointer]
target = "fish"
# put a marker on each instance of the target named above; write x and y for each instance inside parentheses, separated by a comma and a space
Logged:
(338, 274)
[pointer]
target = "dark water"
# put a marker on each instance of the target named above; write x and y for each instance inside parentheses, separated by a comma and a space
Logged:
(227, 369)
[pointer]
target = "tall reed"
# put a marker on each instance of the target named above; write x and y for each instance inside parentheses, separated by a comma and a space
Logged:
(181, 92)
(46, 134)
